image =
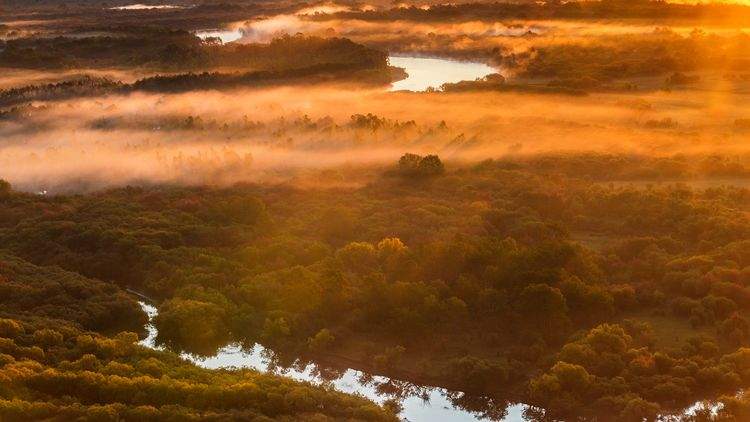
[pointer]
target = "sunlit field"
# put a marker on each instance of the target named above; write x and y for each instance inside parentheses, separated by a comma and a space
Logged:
(374, 211)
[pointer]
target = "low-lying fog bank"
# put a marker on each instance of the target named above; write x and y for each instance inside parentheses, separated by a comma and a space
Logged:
(271, 134)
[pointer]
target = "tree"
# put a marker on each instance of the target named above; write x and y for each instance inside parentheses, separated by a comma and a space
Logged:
(562, 390)
(479, 373)
(431, 166)
(544, 308)
(587, 304)
(321, 341)
(735, 329)
(417, 166)
(10, 328)
(409, 163)
(358, 257)
(5, 189)
(198, 326)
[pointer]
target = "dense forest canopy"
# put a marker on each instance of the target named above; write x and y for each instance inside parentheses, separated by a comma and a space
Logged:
(53, 367)
(586, 279)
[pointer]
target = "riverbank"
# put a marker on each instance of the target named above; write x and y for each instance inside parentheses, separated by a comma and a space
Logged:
(420, 402)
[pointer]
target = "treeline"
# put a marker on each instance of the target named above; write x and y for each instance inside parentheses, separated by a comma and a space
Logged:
(124, 48)
(590, 64)
(286, 59)
(357, 126)
(497, 83)
(85, 86)
(523, 280)
(681, 168)
(173, 50)
(605, 9)
(362, 73)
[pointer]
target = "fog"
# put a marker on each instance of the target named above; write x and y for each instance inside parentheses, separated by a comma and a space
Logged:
(467, 39)
(279, 134)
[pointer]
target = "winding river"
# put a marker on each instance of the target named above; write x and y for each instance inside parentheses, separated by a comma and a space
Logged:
(423, 72)
(427, 404)
(421, 404)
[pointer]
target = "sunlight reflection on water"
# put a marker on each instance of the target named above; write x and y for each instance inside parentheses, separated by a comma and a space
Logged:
(146, 7)
(225, 35)
(437, 407)
(430, 72)
(433, 406)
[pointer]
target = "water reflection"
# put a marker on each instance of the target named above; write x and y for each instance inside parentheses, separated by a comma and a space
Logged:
(428, 72)
(147, 7)
(225, 35)
(419, 403)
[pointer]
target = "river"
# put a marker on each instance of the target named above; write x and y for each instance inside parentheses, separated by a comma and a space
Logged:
(422, 404)
(427, 73)
(423, 72)
(428, 404)
(225, 35)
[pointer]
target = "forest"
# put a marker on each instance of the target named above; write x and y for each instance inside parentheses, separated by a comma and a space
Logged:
(161, 49)
(374, 211)
(584, 9)
(626, 298)
(57, 363)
